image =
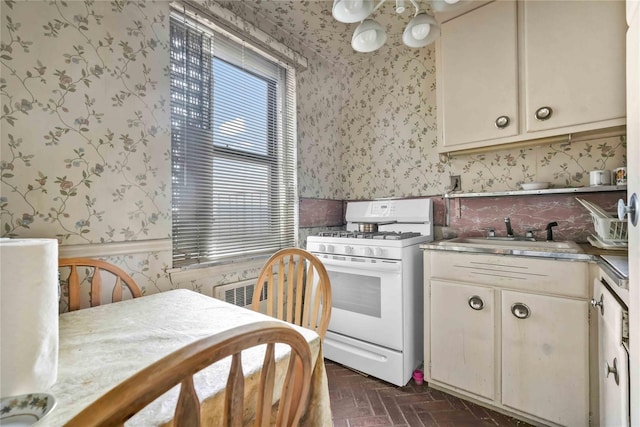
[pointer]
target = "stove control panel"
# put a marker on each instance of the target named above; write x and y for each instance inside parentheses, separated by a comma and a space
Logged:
(370, 251)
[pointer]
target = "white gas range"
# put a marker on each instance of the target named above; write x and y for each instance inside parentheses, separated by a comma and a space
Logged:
(376, 284)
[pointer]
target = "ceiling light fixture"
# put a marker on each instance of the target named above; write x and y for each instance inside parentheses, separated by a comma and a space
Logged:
(369, 36)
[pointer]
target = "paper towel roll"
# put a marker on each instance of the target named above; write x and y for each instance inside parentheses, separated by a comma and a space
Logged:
(29, 315)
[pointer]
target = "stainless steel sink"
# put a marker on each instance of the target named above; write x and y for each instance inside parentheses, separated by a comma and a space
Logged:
(493, 245)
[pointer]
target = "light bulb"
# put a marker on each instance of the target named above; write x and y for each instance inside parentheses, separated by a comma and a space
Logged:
(355, 5)
(451, 1)
(420, 31)
(367, 36)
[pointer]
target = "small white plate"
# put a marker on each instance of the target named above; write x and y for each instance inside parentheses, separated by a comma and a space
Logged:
(534, 185)
(25, 410)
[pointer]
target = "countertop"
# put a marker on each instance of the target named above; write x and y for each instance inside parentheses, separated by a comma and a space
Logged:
(613, 262)
(588, 253)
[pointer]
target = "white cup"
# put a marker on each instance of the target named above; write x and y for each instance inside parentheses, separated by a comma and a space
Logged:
(600, 177)
(620, 175)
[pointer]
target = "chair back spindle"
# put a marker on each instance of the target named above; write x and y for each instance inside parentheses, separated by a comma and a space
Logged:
(298, 289)
(97, 266)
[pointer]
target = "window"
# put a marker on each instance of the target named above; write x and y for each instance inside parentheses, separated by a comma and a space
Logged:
(233, 148)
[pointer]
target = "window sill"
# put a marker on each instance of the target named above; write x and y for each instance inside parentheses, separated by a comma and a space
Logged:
(195, 272)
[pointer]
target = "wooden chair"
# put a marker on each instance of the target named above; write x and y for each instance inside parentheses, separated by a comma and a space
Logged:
(132, 395)
(121, 278)
(288, 276)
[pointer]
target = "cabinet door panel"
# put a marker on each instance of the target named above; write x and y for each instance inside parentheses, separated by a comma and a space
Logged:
(575, 69)
(614, 403)
(478, 76)
(545, 357)
(462, 339)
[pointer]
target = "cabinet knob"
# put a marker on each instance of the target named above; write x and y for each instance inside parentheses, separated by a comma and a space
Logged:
(632, 209)
(612, 370)
(502, 122)
(543, 113)
(476, 303)
(595, 303)
(520, 310)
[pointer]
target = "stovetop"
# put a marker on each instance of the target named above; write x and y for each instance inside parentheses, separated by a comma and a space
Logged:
(380, 235)
(402, 224)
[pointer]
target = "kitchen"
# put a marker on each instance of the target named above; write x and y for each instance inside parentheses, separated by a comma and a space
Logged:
(367, 129)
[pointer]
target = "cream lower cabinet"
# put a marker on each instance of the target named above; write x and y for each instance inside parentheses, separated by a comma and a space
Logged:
(511, 333)
(462, 337)
(545, 363)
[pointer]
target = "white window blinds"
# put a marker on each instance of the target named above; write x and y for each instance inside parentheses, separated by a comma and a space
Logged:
(233, 149)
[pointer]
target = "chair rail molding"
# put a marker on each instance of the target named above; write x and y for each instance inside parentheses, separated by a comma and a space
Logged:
(94, 250)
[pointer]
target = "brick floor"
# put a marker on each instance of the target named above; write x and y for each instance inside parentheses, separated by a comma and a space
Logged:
(360, 401)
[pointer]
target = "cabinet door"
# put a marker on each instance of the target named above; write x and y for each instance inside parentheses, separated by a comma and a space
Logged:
(614, 386)
(462, 337)
(477, 75)
(545, 355)
(573, 57)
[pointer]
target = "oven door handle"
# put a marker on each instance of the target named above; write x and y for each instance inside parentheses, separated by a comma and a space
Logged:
(369, 266)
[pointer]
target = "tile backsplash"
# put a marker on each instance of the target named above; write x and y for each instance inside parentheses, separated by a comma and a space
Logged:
(470, 216)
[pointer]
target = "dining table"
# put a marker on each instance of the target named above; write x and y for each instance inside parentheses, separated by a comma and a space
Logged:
(100, 347)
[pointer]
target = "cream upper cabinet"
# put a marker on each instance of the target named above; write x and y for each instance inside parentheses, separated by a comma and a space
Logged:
(514, 71)
(573, 62)
(477, 75)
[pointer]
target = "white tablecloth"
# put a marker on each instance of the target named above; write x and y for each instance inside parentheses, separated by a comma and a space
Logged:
(102, 346)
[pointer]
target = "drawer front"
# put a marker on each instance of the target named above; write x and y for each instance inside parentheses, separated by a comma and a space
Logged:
(564, 278)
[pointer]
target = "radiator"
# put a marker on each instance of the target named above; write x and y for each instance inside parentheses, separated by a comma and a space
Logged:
(240, 293)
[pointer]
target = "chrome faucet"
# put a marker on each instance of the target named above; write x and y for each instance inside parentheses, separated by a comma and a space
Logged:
(507, 222)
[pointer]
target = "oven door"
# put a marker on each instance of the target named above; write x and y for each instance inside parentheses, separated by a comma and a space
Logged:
(366, 295)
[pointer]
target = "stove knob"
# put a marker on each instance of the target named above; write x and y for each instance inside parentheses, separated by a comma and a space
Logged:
(368, 251)
(378, 252)
(348, 250)
(322, 247)
(330, 248)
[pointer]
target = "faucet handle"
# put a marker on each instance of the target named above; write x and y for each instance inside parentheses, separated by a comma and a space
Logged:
(529, 233)
(491, 231)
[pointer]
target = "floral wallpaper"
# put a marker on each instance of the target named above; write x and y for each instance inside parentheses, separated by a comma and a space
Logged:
(85, 136)
(85, 131)
(320, 139)
(85, 153)
(390, 125)
(385, 106)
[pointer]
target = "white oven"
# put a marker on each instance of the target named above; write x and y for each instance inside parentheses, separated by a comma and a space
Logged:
(366, 298)
(376, 287)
